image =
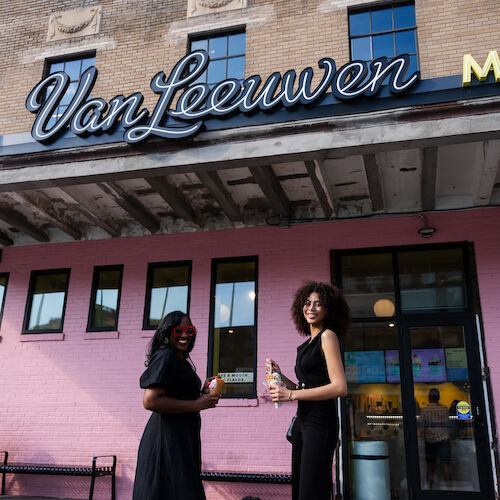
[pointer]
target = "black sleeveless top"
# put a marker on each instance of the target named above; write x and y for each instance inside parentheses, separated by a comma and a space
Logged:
(311, 371)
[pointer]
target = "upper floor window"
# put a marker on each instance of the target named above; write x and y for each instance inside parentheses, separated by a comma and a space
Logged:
(233, 325)
(74, 68)
(384, 32)
(167, 290)
(227, 56)
(46, 301)
(105, 298)
(4, 278)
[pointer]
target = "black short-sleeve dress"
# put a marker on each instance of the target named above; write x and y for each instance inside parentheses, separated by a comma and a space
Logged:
(169, 459)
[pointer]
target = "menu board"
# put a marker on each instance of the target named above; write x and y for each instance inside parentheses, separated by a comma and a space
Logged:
(365, 367)
(428, 365)
(456, 364)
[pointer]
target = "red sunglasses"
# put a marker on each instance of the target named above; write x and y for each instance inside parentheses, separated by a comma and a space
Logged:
(189, 330)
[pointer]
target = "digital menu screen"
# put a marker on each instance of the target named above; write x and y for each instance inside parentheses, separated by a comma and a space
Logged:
(428, 365)
(365, 367)
(456, 364)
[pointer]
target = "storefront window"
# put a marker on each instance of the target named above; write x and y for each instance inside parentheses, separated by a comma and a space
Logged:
(167, 290)
(432, 280)
(375, 426)
(384, 32)
(46, 301)
(233, 329)
(227, 57)
(105, 298)
(74, 68)
(368, 284)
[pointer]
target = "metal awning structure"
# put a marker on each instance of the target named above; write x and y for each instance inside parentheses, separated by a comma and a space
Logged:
(401, 161)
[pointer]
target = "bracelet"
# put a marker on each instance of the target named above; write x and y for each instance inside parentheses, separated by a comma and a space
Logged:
(290, 396)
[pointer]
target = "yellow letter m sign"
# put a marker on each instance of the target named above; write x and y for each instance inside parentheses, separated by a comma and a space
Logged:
(471, 66)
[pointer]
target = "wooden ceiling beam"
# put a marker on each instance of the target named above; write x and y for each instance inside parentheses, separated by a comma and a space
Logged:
(214, 184)
(311, 166)
(21, 223)
(86, 208)
(374, 182)
(131, 205)
(271, 187)
(489, 170)
(174, 198)
(429, 175)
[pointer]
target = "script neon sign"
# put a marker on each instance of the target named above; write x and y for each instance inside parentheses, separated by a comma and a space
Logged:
(198, 102)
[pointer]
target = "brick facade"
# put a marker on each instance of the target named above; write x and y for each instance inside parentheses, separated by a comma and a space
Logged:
(138, 39)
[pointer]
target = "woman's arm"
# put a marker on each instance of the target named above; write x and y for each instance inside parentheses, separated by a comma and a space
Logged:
(156, 400)
(338, 383)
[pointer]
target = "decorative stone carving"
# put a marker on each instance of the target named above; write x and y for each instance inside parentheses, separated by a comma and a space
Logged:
(74, 23)
(201, 7)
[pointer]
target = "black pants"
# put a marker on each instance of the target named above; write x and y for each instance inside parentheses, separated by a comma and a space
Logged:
(312, 461)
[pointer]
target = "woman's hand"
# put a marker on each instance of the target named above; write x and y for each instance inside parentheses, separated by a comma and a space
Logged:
(270, 363)
(279, 393)
(206, 401)
(206, 384)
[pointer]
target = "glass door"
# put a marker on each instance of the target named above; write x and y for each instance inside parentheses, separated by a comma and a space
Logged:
(448, 443)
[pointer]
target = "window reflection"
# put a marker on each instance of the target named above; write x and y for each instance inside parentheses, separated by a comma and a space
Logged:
(106, 293)
(48, 295)
(234, 325)
(168, 290)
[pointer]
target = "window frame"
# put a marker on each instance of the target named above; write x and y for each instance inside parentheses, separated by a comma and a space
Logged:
(379, 6)
(2, 305)
(149, 281)
(93, 295)
(210, 355)
(207, 35)
(29, 300)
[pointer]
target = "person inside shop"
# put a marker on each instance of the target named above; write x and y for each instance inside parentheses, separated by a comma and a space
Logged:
(320, 313)
(433, 422)
(169, 458)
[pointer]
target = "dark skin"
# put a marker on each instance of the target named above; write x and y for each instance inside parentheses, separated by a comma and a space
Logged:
(155, 399)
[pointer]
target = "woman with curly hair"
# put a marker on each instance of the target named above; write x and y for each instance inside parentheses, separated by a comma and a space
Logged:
(321, 313)
(169, 459)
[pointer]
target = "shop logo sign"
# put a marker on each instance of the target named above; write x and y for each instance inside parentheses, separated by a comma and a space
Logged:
(198, 102)
(470, 66)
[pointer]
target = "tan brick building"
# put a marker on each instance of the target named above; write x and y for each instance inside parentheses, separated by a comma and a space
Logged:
(344, 175)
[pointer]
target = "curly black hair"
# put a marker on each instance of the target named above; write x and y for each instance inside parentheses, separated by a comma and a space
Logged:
(338, 315)
(162, 334)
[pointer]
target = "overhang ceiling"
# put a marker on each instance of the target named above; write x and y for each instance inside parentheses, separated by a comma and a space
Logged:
(114, 194)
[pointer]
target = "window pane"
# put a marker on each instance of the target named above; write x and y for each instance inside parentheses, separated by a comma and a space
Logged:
(217, 47)
(72, 68)
(432, 280)
(48, 302)
(216, 71)
(381, 20)
(360, 48)
(70, 93)
(383, 46)
(87, 63)
(405, 42)
(359, 24)
(199, 44)
(169, 292)
(374, 406)
(404, 16)
(236, 44)
(236, 68)
(106, 299)
(56, 67)
(368, 285)
(234, 326)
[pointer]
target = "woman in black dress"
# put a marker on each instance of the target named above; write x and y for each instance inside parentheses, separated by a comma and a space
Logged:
(169, 459)
(321, 313)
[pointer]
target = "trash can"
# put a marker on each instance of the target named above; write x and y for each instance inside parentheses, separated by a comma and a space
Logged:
(370, 470)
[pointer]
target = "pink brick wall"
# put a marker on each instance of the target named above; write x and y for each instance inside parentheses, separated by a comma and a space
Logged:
(63, 401)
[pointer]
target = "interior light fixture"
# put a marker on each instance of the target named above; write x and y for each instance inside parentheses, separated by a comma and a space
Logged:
(383, 308)
(426, 231)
